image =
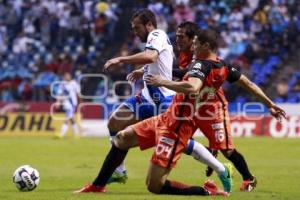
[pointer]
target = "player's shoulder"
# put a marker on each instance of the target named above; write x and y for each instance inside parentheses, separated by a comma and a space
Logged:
(199, 65)
(199, 69)
(215, 64)
(73, 82)
(158, 33)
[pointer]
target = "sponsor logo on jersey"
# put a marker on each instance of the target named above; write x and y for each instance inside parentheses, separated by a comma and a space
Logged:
(196, 72)
(197, 66)
(166, 140)
(217, 126)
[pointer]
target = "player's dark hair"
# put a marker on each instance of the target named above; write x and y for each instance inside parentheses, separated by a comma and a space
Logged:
(145, 16)
(191, 29)
(210, 36)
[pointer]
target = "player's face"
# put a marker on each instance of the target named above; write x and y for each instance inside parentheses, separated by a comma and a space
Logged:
(139, 29)
(67, 77)
(197, 46)
(184, 43)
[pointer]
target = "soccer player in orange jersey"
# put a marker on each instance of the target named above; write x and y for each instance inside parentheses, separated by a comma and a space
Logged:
(212, 115)
(215, 128)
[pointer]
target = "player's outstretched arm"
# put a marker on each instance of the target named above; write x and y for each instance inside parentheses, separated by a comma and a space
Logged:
(145, 57)
(193, 85)
(275, 111)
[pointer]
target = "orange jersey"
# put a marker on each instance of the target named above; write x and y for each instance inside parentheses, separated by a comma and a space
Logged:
(169, 132)
(185, 58)
(211, 97)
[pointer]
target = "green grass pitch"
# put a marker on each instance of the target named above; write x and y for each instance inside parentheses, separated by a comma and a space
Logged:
(66, 165)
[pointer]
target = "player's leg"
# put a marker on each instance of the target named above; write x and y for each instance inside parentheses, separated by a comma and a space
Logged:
(209, 171)
(142, 134)
(124, 140)
(68, 115)
(200, 153)
(64, 128)
(158, 183)
(121, 118)
(130, 112)
(238, 160)
(220, 138)
(75, 127)
(249, 181)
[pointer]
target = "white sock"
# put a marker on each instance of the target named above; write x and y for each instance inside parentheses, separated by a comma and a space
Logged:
(121, 168)
(201, 154)
(75, 129)
(64, 129)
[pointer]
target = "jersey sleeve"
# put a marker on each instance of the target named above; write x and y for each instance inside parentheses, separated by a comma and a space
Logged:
(156, 41)
(233, 75)
(199, 70)
(179, 73)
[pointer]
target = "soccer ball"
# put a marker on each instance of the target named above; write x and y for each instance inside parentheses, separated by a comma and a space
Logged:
(26, 178)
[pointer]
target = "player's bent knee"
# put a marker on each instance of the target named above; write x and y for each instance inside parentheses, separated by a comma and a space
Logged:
(112, 124)
(154, 186)
(125, 139)
(119, 140)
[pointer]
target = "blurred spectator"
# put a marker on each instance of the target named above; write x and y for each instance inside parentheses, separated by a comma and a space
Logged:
(183, 12)
(282, 91)
(21, 43)
(296, 88)
(65, 65)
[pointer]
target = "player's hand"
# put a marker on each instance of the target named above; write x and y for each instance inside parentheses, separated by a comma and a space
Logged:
(277, 112)
(154, 80)
(112, 62)
(135, 75)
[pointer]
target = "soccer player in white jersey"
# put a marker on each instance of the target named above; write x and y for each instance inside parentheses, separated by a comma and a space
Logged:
(68, 100)
(157, 59)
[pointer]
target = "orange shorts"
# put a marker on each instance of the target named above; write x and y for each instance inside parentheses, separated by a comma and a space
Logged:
(217, 131)
(168, 143)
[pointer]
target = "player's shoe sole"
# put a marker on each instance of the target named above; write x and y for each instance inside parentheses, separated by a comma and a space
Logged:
(249, 185)
(226, 178)
(91, 188)
(117, 177)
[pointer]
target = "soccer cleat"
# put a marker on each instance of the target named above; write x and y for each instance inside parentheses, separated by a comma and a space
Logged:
(248, 185)
(213, 189)
(226, 178)
(91, 188)
(118, 177)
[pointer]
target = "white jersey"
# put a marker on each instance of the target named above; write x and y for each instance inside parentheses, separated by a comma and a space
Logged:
(70, 90)
(159, 41)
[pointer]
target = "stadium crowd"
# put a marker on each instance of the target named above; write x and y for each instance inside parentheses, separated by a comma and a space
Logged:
(42, 39)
